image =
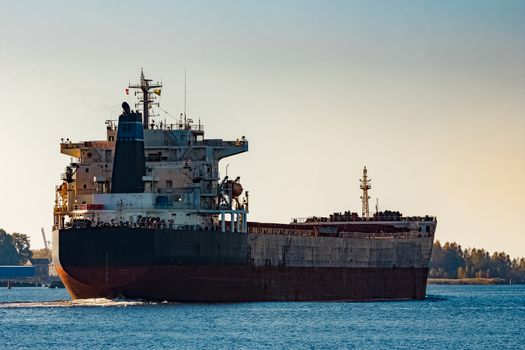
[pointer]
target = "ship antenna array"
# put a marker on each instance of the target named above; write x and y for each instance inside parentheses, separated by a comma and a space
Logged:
(365, 186)
(185, 93)
(147, 99)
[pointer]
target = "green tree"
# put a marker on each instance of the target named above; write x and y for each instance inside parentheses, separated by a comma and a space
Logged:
(436, 261)
(22, 245)
(450, 261)
(453, 258)
(479, 261)
(517, 273)
(500, 265)
(8, 252)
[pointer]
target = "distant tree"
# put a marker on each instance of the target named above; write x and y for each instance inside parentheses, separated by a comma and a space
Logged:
(22, 245)
(14, 249)
(436, 261)
(517, 273)
(8, 252)
(450, 261)
(446, 260)
(452, 258)
(500, 265)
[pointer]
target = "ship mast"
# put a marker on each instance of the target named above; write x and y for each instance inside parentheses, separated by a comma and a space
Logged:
(147, 99)
(365, 186)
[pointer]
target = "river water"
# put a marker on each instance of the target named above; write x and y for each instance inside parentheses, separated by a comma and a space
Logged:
(451, 317)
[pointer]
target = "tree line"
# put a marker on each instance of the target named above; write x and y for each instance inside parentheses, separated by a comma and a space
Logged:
(451, 261)
(14, 248)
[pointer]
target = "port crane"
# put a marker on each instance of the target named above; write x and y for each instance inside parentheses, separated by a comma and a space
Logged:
(46, 242)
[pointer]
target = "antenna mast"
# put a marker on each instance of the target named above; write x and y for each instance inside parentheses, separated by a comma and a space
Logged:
(365, 186)
(147, 99)
(184, 97)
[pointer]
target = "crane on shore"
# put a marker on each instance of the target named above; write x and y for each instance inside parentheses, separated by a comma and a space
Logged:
(46, 242)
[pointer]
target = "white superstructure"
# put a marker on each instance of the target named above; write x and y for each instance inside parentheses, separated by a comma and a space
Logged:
(181, 185)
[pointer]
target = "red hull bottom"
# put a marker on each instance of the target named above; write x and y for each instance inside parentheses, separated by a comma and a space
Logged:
(238, 283)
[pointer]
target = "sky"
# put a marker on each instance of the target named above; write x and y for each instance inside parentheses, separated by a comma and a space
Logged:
(429, 95)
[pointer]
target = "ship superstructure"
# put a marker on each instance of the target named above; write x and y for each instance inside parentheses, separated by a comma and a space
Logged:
(150, 174)
(146, 214)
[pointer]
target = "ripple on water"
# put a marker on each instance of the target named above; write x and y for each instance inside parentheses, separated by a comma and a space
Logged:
(451, 317)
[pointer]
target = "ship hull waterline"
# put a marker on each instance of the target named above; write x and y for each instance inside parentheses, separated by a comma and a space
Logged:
(100, 264)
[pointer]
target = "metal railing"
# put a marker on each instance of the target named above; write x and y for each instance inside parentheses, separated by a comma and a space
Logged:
(182, 126)
(316, 219)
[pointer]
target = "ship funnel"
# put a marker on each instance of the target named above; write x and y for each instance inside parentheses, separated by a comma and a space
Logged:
(126, 108)
(129, 163)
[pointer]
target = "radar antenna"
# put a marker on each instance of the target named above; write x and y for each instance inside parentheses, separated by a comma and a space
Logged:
(365, 186)
(148, 98)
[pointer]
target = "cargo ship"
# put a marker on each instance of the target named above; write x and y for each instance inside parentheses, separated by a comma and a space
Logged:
(145, 214)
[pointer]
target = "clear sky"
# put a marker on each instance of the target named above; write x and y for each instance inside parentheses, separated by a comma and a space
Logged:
(430, 95)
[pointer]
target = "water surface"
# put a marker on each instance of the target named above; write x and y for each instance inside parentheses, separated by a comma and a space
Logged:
(452, 317)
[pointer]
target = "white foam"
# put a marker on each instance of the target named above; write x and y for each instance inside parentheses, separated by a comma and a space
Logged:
(93, 302)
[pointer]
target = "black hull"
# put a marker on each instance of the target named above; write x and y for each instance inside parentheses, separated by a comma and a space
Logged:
(210, 267)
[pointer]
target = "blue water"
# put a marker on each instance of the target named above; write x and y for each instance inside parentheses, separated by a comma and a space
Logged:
(452, 317)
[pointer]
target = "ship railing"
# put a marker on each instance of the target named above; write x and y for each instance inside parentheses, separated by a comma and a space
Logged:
(298, 220)
(174, 205)
(60, 208)
(280, 231)
(70, 145)
(384, 235)
(238, 222)
(323, 219)
(182, 126)
(149, 223)
(89, 207)
(236, 143)
(297, 229)
(222, 143)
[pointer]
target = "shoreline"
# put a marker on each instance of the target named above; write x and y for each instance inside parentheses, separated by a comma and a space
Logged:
(467, 281)
(13, 283)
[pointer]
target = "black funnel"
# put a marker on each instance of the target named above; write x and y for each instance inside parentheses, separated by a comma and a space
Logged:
(129, 164)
